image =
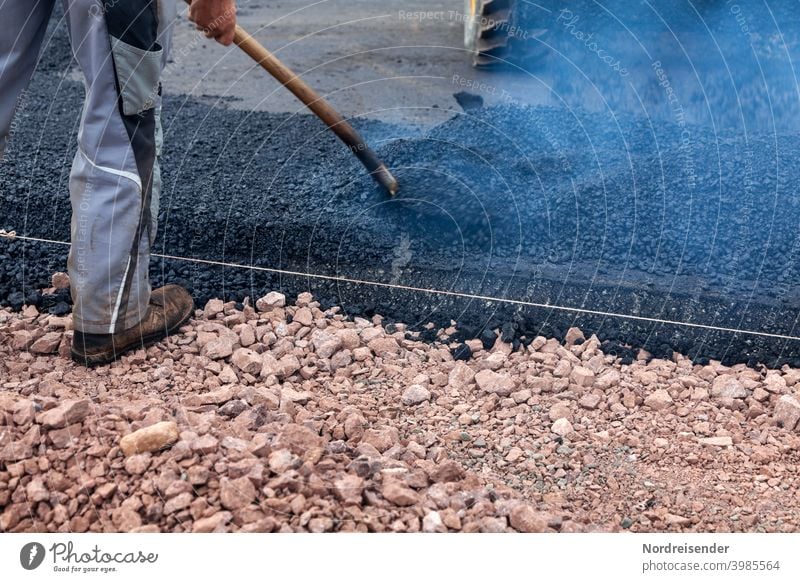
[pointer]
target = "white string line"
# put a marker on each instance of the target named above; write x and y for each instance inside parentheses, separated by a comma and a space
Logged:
(12, 235)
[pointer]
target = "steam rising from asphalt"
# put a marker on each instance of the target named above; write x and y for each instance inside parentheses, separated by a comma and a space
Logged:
(726, 64)
(693, 100)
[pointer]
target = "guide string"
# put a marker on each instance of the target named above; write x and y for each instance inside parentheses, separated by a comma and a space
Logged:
(12, 235)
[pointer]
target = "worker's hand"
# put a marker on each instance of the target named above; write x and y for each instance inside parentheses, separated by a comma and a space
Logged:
(216, 18)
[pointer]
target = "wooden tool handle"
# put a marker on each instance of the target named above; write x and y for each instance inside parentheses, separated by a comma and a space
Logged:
(286, 77)
(318, 105)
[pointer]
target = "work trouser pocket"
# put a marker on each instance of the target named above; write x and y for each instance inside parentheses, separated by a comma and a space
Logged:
(138, 73)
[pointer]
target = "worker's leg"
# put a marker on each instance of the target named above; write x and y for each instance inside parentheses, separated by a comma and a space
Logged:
(166, 20)
(117, 47)
(24, 23)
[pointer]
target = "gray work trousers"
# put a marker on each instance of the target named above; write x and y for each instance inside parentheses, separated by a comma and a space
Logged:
(121, 46)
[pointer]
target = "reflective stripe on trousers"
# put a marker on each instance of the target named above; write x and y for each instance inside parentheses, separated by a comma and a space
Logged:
(121, 46)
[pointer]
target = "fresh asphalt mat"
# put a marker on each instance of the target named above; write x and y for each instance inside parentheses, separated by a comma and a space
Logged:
(644, 231)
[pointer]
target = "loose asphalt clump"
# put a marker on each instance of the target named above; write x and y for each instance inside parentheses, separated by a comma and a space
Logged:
(579, 216)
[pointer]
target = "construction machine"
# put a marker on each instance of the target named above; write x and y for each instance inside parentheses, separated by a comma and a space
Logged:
(491, 30)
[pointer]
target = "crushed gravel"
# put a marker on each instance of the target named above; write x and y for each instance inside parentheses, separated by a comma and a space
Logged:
(264, 420)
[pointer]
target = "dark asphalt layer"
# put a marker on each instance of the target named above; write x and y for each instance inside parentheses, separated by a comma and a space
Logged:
(610, 213)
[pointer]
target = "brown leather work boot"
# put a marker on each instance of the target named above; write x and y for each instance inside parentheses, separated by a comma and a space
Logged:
(170, 307)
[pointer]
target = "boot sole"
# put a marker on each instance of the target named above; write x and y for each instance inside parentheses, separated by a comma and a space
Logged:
(107, 357)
